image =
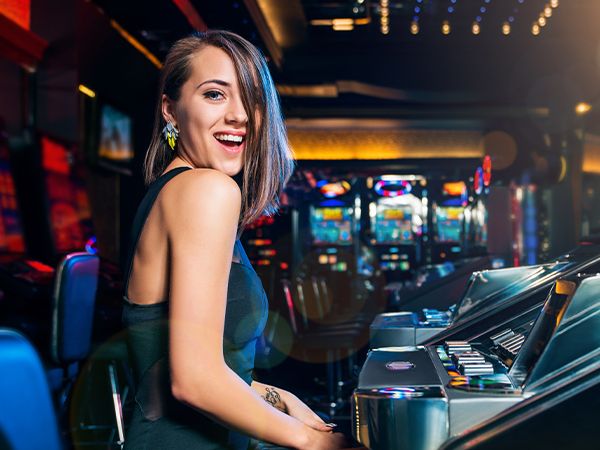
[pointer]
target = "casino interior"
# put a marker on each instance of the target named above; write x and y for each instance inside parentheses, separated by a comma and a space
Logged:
(431, 269)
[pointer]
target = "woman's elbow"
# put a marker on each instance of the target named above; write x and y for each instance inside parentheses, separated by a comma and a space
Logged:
(180, 392)
(193, 391)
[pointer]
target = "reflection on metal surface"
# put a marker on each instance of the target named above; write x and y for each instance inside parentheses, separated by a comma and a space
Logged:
(413, 418)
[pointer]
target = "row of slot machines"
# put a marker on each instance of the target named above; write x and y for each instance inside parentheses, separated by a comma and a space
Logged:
(385, 238)
(45, 213)
(514, 354)
(390, 223)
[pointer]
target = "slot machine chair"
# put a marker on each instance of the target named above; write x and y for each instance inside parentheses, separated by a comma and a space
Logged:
(73, 306)
(27, 417)
(326, 344)
(73, 301)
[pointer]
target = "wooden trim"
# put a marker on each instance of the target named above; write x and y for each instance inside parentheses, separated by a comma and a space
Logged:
(265, 32)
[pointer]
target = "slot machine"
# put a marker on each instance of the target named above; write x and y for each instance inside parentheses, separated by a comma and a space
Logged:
(498, 356)
(327, 271)
(333, 228)
(448, 222)
(397, 213)
(267, 244)
(21, 276)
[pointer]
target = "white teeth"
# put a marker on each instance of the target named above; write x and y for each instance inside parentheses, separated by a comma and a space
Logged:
(229, 137)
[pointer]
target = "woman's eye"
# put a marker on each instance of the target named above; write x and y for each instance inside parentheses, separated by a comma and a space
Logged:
(213, 95)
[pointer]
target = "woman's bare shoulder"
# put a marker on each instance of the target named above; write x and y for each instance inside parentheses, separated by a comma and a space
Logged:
(195, 193)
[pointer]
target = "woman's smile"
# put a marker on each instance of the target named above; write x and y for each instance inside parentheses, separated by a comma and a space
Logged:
(231, 141)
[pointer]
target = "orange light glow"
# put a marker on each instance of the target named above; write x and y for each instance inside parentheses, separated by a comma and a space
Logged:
(346, 144)
(19, 11)
(454, 188)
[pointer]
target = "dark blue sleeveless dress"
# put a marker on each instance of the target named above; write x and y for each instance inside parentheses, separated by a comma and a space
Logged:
(160, 421)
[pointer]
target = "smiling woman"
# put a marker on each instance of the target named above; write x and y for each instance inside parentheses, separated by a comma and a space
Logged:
(225, 77)
(193, 304)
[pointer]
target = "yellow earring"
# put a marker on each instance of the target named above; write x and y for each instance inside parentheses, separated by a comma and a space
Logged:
(170, 135)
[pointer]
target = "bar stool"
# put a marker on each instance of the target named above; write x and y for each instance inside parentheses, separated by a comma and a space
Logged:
(27, 418)
(73, 301)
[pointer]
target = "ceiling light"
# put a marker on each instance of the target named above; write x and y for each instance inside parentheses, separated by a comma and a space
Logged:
(535, 29)
(343, 27)
(582, 108)
(87, 91)
(414, 27)
(476, 28)
(542, 21)
(548, 11)
(506, 28)
(342, 22)
(446, 27)
(554, 3)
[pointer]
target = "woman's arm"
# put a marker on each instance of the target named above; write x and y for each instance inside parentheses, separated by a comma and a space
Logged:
(200, 210)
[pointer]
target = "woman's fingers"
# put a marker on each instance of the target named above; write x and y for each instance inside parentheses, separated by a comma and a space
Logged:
(319, 425)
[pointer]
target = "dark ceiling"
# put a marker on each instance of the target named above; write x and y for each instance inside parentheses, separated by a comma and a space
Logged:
(425, 76)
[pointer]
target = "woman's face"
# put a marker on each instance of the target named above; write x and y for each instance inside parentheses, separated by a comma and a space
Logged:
(210, 115)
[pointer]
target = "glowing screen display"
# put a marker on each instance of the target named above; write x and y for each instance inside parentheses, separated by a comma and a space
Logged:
(11, 233)
(393, 225)
(449, 223)
(331, 225)
(115, 135)
(69, 206)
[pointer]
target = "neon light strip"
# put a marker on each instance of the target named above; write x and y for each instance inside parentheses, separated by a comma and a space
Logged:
(136, 44)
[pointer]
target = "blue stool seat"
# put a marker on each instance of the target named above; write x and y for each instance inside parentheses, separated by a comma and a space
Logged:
(27, 417)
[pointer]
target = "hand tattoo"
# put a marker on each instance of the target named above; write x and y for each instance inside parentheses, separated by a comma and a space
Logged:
(273, 398)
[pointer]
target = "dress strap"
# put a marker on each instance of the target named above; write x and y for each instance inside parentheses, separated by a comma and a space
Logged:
(142, 215)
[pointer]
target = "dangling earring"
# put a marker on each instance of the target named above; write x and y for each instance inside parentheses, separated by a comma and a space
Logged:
(170, 135)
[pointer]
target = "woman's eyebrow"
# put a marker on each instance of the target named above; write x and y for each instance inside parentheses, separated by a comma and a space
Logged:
(216, 81)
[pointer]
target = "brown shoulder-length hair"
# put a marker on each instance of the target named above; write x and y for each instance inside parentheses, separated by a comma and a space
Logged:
(268, 162)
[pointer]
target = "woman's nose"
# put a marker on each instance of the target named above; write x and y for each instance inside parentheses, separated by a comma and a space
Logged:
(236, 113)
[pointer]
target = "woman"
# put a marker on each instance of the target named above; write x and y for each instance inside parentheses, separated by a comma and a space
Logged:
(194, 305)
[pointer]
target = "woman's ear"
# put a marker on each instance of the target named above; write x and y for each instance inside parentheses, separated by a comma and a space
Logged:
(168, 110)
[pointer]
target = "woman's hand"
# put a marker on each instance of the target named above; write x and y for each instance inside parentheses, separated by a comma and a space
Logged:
(298, 410)
(320, 440)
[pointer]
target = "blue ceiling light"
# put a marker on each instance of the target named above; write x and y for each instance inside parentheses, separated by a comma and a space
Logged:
(450, 9)
(417, 9)
(482, 9)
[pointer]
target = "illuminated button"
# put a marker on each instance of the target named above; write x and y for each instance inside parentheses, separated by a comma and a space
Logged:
(502, 336)
(467, 357)
(485, 368)
(457, 347)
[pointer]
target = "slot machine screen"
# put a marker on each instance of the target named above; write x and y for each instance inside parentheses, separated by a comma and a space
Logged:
(393, 225)
(115, 135)
(331, 225)
(449, 223)
(68, 204)
(11, 232)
